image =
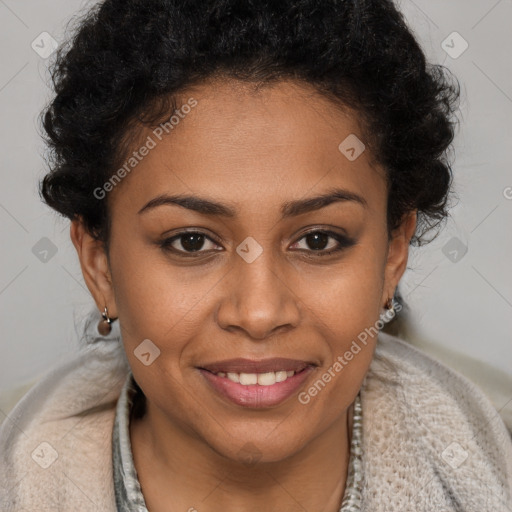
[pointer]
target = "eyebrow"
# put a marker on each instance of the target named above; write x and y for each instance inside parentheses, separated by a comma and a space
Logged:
(288, 209)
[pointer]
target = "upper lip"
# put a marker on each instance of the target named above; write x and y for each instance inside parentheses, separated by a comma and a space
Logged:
(241, 365)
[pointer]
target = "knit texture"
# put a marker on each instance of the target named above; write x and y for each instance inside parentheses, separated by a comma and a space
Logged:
(431, 440)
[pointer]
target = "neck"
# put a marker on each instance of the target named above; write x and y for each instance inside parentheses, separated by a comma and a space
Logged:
(178, 471)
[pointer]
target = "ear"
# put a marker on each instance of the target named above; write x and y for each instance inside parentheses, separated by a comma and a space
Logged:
(95, 267)
(398, 254)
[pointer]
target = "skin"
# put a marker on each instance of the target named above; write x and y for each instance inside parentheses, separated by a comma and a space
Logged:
(253, 150)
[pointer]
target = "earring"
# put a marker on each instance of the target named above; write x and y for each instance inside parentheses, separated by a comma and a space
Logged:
(390, 307)
(104, 326)
(389, 312)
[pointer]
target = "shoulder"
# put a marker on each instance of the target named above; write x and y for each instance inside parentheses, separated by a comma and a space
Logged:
(431, 425)
(425, 378)
(51, 435)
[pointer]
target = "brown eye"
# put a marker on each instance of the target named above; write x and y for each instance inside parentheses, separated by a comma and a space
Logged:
(188, 242)
(318, 242)
(192, 241)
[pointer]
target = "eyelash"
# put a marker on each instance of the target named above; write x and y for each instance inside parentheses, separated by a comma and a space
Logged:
(344, 242)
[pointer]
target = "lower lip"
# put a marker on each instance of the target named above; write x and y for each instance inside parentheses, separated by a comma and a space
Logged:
(256, 396)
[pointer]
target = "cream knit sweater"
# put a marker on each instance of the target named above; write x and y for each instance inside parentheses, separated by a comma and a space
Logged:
(431, 440)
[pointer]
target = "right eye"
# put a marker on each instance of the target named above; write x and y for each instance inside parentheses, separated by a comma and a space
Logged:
(189, 241)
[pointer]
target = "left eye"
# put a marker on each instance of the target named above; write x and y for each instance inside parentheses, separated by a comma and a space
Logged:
(318, 242)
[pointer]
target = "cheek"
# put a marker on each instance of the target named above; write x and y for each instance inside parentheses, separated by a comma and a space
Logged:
(347, 321)
(335, 386)
(348, 299)
(347, 310)
(154, 298)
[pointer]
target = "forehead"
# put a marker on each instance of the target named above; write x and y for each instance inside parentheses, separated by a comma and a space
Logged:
(251, 146)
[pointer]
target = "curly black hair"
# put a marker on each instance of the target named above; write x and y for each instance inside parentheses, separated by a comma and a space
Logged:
(129, 59)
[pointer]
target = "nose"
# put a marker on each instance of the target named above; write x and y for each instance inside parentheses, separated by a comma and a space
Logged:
(258, 299)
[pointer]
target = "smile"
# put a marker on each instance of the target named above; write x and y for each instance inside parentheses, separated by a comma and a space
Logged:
(256, 390)
(263, 379)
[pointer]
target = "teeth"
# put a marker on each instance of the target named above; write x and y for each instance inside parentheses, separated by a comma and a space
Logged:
(263, 379)
(235, 377)
(248, 379)
(280, 376)
(267, 379)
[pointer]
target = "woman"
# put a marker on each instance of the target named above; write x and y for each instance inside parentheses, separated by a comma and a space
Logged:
(243, 182)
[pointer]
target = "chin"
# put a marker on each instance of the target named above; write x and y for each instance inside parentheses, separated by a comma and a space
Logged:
(259, 448)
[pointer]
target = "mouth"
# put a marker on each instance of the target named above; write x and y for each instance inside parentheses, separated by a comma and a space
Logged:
(257, 384)
(250, 366)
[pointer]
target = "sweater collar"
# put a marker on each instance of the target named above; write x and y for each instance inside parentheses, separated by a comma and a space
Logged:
(127, 488)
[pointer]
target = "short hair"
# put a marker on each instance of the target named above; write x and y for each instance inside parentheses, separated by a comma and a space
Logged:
(129, 59)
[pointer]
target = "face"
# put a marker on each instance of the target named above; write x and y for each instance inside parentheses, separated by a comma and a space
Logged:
(249, 267)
